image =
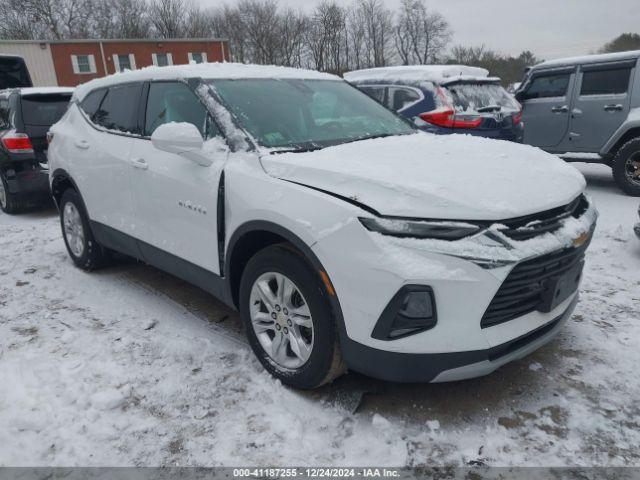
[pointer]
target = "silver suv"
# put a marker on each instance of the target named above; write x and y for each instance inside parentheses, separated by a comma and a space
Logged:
(587, 105)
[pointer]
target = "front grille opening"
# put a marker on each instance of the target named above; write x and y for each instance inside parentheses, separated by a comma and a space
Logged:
(531, 226)
(522, 291)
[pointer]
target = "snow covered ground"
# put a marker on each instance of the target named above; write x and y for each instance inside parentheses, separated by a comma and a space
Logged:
(128, 366)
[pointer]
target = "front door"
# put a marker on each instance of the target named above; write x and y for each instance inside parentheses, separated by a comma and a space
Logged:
(546, 106)
(176, 199)
(601, 106)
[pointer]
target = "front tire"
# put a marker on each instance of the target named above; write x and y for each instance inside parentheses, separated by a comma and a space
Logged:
(288, 320)
(626, 167)
(83, 249)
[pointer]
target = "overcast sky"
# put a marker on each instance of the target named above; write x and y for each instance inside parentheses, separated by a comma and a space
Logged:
(549, 28)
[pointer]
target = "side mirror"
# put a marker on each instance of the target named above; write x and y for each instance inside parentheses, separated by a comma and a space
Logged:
(519, 96)
(182, 139)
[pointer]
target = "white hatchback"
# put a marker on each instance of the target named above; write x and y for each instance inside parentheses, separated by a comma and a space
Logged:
(345, 237)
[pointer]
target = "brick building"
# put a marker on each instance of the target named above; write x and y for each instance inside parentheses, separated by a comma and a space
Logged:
(71, 62)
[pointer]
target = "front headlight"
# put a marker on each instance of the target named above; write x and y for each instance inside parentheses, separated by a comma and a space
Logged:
(440, 230)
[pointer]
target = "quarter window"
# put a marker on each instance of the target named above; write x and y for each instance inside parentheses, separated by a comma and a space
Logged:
(91, 102)
(548, 86)
(118, 110)
(605, 82)
(175, 102)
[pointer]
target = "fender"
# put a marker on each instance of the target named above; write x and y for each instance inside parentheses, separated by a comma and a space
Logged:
(310, 256)
(61, 174)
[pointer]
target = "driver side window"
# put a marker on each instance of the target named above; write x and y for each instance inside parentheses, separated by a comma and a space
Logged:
(175, 102)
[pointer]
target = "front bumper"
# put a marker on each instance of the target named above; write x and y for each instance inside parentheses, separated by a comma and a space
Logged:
(368, 269)
(449, 367)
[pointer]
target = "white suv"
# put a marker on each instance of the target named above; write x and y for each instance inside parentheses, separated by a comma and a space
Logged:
(345, 237)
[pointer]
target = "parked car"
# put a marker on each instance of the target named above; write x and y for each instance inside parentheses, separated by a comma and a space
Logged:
(13, 72)
(587, 105)
(26, 114)
(636, 228)
(445, 99)
(342, 234)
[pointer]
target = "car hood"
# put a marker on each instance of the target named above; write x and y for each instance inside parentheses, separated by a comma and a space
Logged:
(457, 177)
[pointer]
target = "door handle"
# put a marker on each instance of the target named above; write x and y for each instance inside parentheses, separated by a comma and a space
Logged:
(560, 109)
(82, 144)
(139, 163)
(613, 108)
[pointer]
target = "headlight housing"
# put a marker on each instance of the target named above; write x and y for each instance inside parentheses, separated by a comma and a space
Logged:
(440, 230)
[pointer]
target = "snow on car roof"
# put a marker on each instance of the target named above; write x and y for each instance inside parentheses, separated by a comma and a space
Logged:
(203, 70)
(600, 58)
(45, 90)
(440, 74)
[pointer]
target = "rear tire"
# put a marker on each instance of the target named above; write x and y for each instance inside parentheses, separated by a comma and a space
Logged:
(83, 249)
(626, 167)
(293, 335)
(10, 203)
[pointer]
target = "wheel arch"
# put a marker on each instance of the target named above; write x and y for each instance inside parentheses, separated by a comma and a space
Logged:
(61, 181)
(629, 134)
(253, 236)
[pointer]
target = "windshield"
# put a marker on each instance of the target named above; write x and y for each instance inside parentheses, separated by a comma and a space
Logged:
(479, 97)
(44, 110)
(307, 114)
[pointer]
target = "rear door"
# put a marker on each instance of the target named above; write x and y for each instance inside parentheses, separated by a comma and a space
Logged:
(602, 104)
(546, 102)
(100, 155)
(39, 112)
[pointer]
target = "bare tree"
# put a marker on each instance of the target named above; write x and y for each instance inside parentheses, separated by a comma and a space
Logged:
(293, 26)
(328, 39)
(420, 35)
(378, 22)
(167, 17)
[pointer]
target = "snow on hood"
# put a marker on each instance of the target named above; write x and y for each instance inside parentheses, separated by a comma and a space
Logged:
(457, 177)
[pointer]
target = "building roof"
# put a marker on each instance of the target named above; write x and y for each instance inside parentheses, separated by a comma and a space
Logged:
(600, 58)
(203, 70)
(440, 74)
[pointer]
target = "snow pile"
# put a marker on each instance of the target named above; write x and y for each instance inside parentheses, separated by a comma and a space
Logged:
(454, 177)
(439, 74)
(46, 90)
(98, 370)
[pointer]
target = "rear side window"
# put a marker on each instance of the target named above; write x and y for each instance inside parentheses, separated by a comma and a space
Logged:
(548, 86)
(175, 102)
(92, 102)
(377, 93)
(605, 82)
(119, 109)
(402, 97)
(481, 97)
(5, 114)
(44, 110)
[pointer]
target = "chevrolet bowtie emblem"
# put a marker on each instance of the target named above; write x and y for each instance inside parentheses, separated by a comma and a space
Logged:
(581, 240)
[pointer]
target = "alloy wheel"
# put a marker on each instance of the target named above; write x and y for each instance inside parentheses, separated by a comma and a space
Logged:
(73, 229)
(281, 320)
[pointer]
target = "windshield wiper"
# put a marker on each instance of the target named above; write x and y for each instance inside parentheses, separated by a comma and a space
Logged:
(301, 149)
(372, 137)
(489, 108)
